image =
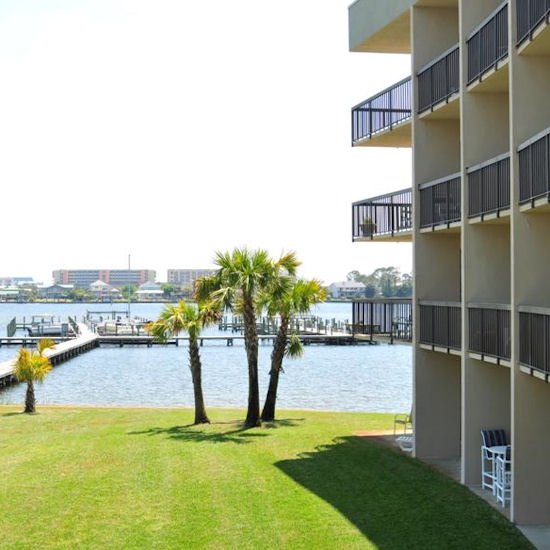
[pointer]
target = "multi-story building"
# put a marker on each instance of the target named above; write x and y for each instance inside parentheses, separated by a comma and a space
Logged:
(476, 113)
(187, 277)
(83, 278)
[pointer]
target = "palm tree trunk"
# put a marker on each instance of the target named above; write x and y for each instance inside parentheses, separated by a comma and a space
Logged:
(196, 373)
(277, 355)
(30, 401)
(251, 344)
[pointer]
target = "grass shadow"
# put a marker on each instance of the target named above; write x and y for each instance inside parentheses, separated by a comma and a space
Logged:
(17, 413)
(399, 502)
(201, 434)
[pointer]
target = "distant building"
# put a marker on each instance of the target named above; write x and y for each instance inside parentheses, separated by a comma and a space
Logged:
(16, 281)
(103, 290)
(347, 289)
(83, 278)
(187, 277)
(54, 292)
(148, 292)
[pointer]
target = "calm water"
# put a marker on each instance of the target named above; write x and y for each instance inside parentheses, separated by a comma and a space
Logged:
(345, 378)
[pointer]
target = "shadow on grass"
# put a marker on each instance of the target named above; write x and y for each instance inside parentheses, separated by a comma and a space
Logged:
(17, 413)
(203, 433)
(399, 502)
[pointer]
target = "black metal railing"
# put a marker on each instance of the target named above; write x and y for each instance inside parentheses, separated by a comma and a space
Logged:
(488, 44)
(490, 330)
(530, 14)
(384, 215)
(439, 80)
(441, 324)
(534, 338)
(489, 186)
(382, 111)
(440, 202)
(390, 317)
(534, 169)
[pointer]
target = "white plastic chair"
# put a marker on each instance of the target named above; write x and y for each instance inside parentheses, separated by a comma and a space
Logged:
(490, 438)
(503, 481)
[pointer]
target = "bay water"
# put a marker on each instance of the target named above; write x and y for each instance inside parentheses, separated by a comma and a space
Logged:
(359, 378)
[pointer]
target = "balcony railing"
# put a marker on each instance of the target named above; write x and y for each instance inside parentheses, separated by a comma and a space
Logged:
(390, 317)
(386, 215)
(440, 202)
(530, 14)
(534, 158)
(440, 325)
(488, 44)
(382, 111)
(490, 330)
(534, 338)
(439, 80)
(489, 186)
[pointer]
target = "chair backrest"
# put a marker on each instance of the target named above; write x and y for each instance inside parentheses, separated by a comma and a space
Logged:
(493, 438)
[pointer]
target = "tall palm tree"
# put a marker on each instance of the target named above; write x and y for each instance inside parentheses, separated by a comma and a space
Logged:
(242, 276)
(287, 298)
(186, 317)
(31, 367)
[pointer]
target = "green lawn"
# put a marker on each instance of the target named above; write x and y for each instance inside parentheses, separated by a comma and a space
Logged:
(143, 478)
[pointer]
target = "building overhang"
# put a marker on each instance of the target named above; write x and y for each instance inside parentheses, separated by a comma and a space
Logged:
(380, 27)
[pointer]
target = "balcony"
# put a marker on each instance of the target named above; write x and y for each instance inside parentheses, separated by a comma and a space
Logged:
(438, 84)
(383, 317)
(533, 20)
(489, 189)
(384, 120)
(441, 327)
(490, 333)
(534, 341)
(534, 180)
(440, 204)
(387, 217)
(488, 52)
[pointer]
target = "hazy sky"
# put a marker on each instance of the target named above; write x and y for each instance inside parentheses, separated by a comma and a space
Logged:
(169, 129)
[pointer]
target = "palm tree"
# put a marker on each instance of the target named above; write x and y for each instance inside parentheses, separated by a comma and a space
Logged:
(242, 276)
(287, 298)
(186, 317)
(33, 367)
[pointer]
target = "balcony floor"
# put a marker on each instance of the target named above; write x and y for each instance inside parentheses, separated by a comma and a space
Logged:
(399, 136)
(493, 81)
(539, 44)
(401, 237)
(444, 110)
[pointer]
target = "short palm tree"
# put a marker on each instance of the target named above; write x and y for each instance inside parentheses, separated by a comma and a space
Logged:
(191, 319)
(287, 298)
(242, 276)
(31, 367)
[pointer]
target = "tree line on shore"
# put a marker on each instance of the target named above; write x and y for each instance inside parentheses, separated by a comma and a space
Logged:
(388, 282)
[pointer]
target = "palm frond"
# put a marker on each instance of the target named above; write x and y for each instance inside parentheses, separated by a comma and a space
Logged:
(294, 347)
(44, 344)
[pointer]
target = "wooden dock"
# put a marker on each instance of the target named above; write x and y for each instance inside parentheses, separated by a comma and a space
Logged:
(63, 351)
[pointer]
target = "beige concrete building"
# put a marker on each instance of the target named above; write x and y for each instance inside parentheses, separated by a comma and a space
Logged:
(476, 112)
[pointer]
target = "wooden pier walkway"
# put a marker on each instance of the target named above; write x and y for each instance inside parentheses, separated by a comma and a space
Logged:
(63, 351)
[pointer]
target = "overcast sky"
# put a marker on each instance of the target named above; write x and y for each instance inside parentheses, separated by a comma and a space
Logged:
(169, 129)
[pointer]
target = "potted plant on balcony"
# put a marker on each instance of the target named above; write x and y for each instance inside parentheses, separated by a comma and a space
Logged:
(368, 227)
